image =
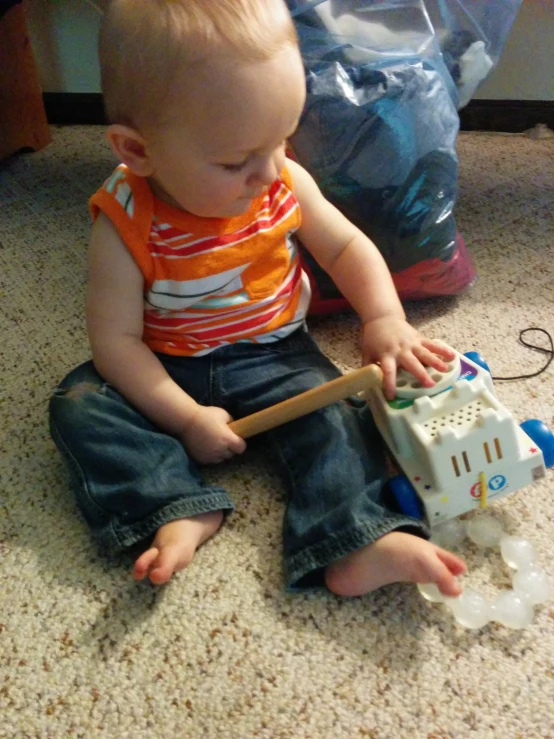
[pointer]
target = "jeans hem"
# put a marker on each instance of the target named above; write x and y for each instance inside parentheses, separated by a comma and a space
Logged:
(119, 537)
(318, 556)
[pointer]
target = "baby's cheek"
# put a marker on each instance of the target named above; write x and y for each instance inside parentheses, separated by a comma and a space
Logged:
(225, 189)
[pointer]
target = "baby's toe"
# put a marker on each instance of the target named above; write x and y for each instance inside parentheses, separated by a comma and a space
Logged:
(455, 564)
(448, 585)
(442, 569)
(161, 575)
(165, 565)
(144, 562)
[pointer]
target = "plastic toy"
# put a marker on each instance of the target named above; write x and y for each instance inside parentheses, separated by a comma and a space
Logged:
(512, 608)
(459, 448)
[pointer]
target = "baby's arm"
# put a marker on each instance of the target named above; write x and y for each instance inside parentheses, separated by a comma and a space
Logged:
(361, 274)
(115, 326)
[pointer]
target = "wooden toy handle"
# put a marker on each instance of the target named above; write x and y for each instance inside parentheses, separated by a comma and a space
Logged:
(311, 400)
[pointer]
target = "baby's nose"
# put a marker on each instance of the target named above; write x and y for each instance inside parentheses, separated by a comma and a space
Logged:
(266, 172)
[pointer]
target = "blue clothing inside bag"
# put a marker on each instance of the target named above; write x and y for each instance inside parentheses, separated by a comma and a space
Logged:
(379, 128)
(384, 170)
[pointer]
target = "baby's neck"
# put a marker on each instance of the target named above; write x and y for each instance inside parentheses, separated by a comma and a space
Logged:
(160, 193)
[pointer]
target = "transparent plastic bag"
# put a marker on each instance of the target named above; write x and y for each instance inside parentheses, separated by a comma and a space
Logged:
(468, 34)
(379, 128)
(471, 35)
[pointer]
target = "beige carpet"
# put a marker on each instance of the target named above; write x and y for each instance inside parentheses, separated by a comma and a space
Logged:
(222, 651)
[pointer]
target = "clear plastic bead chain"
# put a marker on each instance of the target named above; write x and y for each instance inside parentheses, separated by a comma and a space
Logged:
(513, 608)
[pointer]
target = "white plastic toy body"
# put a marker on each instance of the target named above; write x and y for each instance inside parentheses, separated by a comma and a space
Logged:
(451, 438)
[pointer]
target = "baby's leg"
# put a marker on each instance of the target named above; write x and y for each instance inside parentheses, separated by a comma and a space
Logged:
(132, 481)
(395, 557)
(174, 546)
(338, 529)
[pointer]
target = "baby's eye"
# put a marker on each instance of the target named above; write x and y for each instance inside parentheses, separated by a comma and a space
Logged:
(235, 167)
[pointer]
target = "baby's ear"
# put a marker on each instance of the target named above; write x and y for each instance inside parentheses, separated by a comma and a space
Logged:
(130, 148)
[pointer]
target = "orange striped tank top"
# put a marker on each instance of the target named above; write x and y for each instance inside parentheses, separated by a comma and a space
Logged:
(210, 281)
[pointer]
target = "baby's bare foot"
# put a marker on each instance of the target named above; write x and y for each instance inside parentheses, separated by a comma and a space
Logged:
(174, 546)
(395, 557)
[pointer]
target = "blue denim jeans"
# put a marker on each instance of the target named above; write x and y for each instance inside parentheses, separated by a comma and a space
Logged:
(131, 478)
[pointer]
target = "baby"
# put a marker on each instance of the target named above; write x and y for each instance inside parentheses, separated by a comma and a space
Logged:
(196, 309)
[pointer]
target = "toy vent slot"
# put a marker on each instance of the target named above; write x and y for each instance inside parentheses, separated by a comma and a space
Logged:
(466, 462)
(487, 452)
(455, 465)
(498, 448)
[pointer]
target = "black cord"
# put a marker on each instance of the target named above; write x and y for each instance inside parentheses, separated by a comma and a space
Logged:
(538, 348)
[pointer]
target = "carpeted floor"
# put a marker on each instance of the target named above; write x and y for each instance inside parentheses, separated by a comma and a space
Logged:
(222, 651)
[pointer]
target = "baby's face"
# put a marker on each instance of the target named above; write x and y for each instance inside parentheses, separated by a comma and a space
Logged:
(228, 142)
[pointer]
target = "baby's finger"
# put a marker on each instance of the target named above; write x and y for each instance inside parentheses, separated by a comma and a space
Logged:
(429, 359)
(411, 363)
(236, 445)
(388, 368)
(439, 349)
(222, 456)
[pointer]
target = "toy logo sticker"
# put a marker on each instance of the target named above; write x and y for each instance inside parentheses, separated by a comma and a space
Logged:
(475, 490)
(467, 372)
(496, 484)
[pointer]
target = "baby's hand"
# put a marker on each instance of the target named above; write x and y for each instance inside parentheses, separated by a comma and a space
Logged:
(393, 343)
(208, 438)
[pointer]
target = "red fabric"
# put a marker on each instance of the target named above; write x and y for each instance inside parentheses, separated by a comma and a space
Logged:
(432, 277)
(426, 279)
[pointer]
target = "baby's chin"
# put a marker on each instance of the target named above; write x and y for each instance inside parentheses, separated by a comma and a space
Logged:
(236, 208)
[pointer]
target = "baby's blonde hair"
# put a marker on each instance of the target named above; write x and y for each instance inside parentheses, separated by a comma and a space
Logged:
(144, 43)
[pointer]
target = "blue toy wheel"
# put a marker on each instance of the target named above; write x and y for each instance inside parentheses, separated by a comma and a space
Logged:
(405, 495)
(478, 359)
(543, 437)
